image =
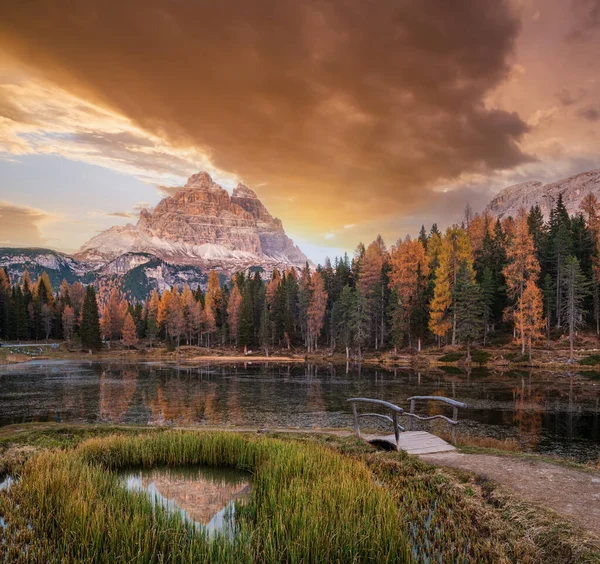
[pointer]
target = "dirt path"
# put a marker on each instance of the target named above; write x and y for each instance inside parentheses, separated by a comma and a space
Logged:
(574, 494)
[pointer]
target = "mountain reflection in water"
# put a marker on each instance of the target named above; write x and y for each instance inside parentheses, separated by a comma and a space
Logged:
(203, 497)
(545, 412)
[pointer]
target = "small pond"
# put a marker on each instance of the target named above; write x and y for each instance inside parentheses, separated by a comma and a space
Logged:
(204, 497)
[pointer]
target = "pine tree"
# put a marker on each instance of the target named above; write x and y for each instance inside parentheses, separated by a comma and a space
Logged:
(423, 238)
(468, 307)
(265, 331)
(360, 320)
(5, 303)
(47, 319)
(455, 249)
(246, 328)
(488, 292)
(548, 296)
(68, 322)
(341, 319)
(90, 322)
(574, 289)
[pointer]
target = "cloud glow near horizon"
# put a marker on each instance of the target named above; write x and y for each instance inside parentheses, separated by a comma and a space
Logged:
(347, 120)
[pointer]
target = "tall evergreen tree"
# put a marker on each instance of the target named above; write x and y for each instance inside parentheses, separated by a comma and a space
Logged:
(468, 307)
(90, 322)
(574, 289)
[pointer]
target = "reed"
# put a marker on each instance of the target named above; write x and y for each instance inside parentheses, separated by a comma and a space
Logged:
(309, 504)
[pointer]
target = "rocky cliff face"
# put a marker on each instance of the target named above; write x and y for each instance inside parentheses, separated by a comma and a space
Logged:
(202, 225)
(573, 190)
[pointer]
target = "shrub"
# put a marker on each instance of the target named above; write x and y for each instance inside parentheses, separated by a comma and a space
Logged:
(451, 357)
(480, 357)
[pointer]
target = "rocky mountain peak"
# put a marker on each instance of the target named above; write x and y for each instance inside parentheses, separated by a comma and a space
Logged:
(202, 225)
(528, 194)
(201, 181)
(242, 191)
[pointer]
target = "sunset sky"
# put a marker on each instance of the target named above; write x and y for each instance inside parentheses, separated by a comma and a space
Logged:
(349, 118)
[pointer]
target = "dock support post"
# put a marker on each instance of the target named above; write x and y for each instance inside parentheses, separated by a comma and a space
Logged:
(356, 427)
(396, 430)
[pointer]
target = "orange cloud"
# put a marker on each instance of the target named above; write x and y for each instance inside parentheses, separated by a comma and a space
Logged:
(20, 226)
(351, 107)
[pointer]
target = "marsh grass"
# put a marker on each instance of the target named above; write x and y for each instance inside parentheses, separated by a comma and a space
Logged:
(308, 504)
(315, 498)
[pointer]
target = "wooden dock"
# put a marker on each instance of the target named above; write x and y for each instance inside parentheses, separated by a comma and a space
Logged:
(413, 442)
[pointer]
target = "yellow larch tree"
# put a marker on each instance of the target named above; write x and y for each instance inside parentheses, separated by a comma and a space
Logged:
(454, 250)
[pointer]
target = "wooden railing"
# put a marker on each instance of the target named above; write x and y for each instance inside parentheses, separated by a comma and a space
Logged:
(396, 412)
(455, 404)
(399, 412)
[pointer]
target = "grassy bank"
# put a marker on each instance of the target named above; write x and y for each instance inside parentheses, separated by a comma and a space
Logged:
(315, 498)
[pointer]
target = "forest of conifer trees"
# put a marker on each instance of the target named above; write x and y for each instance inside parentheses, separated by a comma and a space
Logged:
(482, 282)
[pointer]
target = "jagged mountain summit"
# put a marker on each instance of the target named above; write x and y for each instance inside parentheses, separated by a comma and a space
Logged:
(202, 225)
(531, 193)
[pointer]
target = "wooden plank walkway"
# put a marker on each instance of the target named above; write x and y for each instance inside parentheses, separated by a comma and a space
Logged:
(414, 442)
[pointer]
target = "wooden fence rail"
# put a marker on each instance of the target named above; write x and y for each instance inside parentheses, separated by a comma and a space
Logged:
(399, 412)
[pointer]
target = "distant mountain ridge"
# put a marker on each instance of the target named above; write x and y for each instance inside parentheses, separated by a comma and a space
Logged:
(138, 273)
(528, 194)
(201, 227)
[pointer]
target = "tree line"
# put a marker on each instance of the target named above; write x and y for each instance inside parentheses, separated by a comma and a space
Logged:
(480, 279)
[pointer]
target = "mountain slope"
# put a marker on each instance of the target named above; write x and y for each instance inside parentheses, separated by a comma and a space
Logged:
(35, 260)
(573, 190)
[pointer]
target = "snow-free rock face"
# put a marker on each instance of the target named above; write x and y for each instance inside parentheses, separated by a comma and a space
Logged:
(274, 242)
(202, 225)
(526, 195)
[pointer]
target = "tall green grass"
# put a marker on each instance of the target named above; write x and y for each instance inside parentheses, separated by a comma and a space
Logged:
(308, 504)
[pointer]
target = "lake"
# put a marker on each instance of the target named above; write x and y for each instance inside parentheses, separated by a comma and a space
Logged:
(546, 412)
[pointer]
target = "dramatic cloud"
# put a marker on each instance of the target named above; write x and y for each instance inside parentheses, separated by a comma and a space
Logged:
(356, 107)
(20, 226)
(590, 113)
(39, 118)
(588, 20)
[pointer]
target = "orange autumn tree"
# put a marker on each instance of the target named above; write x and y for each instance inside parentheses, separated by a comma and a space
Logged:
(175, 319)
(163, 311)
(522, 268)
(529, 316)
(370, 278)
(130, 338)
(117, 310)
(211, 301)
(316, 310)
(477, 229)
(455, 250)
(152, 325)
(234, 309)
(408, 261)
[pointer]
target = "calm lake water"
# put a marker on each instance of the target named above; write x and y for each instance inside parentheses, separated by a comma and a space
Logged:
(203, 497)
(550, 413)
